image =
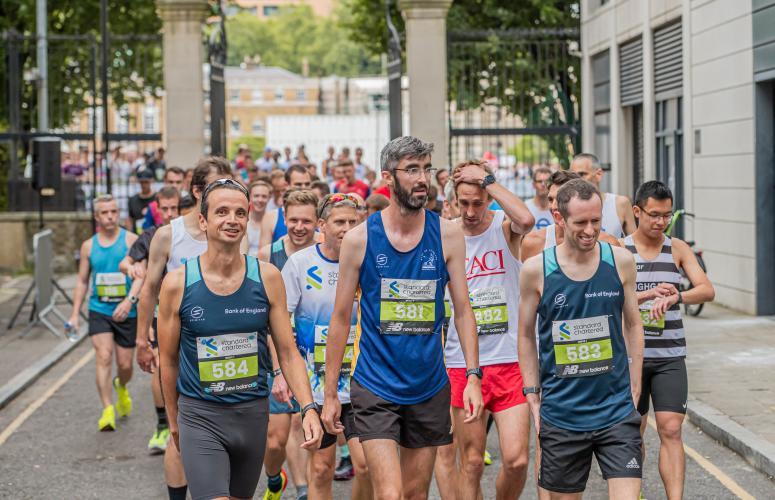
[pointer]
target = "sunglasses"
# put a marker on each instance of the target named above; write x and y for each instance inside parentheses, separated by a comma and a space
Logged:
(226, 182)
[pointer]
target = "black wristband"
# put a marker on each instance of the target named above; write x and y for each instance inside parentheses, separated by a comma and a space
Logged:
(311, 406)
(277, 372)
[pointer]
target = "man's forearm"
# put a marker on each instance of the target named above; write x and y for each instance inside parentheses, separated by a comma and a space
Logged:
(528, 356)
(295, 372)
(145, 308)
(514, 208)
(169, 388)
(78, 295)
(335, 346)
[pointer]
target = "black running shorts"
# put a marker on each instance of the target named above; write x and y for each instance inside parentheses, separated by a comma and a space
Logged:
(222, 446)
(124, 333)
(348, 421)
(566, 456)
(412, 426)
(666, 384)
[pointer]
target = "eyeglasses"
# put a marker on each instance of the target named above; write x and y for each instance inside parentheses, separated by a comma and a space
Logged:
(666, 216)
(416, 171)
(225, 182)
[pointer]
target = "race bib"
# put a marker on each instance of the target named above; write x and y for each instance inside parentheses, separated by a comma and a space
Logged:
(228, 363)
(489, 305)
(111, 287)
(407, 307)
(582, 347)
(321, 336)
(651, 327)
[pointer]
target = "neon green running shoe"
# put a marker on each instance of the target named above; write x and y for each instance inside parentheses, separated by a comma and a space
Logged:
(641, 497)
(158, 442)
(277, 495)
(108, 419)
(124, 403)
(487, 458)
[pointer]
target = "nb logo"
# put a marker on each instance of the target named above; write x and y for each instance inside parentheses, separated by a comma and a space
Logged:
(394, 327)
(570, 370)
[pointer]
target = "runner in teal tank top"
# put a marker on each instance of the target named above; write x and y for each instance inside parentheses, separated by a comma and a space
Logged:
(590, 351)
(112, 322)
(214, 318)
(401, 259)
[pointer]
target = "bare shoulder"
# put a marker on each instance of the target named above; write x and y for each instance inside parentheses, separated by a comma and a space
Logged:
(532, 269)
(623, 257)
(86, 247)
(450, 229)
(623, 201)
(532, 243)
(356, 237)
(269, 272)
(130, 238)
(163, 234)
(609, 239)
(173, 282)
(264, 252)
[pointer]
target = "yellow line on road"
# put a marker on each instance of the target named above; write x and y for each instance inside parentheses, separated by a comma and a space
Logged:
(703, 462)
(27, 413)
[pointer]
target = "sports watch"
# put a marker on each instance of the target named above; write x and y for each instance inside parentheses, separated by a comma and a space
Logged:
(488, 179)
(474, 371)
(531, 390)
(133, 299)
(311, 406)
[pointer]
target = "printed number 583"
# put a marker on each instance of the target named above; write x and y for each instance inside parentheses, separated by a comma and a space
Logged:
(583, 352)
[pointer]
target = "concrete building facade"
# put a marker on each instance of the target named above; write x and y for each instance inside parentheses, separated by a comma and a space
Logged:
(683, 91)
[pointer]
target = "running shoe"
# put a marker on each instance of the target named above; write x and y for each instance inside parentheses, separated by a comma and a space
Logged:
(108, 419)
(344, 471)
(124, 403)
(277, 495)
(641, 497)
(158, 442)
(487, 458)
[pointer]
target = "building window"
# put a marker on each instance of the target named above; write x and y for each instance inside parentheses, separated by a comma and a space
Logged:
(601, 81)
(301, 95)
(279, 94)
(122, 120)
(234, 126)
(150, 118)
(669, 144)
(270, 10)
(257, 95)
(234, 94)
(257, 127)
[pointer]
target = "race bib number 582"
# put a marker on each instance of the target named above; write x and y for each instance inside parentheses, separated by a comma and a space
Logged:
(582, 347)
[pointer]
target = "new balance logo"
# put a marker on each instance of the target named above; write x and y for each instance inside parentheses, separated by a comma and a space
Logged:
(633, 464)
(570, 370)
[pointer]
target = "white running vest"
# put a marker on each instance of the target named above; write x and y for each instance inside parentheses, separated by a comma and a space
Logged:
(182, 245)
(254, 236)
(551, 237)
(611, 223)
(493, 289)
(543, 217)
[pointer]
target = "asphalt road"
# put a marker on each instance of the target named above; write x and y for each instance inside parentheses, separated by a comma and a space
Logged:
(50, 448)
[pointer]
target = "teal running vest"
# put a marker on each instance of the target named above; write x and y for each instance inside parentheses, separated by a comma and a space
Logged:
(585, 378)
(399, 354)
(109, 285)
(223, 351)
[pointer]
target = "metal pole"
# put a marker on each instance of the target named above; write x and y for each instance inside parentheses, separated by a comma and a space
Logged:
(394, 75)
(41, 28)
(93, 91)
(104, 78)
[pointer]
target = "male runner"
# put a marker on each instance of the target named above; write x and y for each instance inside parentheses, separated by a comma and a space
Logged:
(349, 183)
(173, 177)
(492, 240)
(171, 247)
(310, 277)
(112, 321)
(134, 266)
(659, 260)
(260, 193)
(273, 226)
(590, 337)
(301, 217)
(539, 204)
(215, 315)
(137, 205)
(402, 259)
(618, 220)
(537, 241)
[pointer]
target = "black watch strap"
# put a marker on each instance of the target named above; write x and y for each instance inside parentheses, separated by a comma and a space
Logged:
(474, 371)
(488, 179)
(531, 390)
(311, 406)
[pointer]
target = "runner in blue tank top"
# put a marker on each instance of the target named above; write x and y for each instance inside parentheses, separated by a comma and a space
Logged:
(588, 326)
(214, 317)
(401, 260)
(112, 322)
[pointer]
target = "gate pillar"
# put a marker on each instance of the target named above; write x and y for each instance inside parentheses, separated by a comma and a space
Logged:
(183, 95)
(426, 63)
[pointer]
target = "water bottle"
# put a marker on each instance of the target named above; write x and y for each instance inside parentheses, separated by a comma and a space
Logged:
(70, 333)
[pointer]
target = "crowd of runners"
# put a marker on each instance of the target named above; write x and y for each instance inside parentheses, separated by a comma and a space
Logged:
(389, 320)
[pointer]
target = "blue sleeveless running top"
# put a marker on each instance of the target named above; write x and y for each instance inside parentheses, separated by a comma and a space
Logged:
(399, 354)
(585, 376)
(280, 229)
(223, 351)
(109, 285)
(278, 256)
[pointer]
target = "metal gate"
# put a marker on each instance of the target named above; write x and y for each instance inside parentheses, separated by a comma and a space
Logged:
(75, 111)
(514, 97)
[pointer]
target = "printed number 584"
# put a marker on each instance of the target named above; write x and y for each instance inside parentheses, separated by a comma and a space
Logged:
(229, 369)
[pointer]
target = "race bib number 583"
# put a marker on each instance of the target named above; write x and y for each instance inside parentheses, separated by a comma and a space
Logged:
(582, 347)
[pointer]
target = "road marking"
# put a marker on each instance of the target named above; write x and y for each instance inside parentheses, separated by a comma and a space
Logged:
(703, 462)
(27, 413)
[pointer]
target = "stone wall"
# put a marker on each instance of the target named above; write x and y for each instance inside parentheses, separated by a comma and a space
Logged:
(17, 229)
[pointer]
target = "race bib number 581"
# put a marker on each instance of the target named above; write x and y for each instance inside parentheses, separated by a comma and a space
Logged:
(407, 307)
(582, 347)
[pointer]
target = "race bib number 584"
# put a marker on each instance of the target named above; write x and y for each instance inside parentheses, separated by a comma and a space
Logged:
(228, 363)
(582, 347)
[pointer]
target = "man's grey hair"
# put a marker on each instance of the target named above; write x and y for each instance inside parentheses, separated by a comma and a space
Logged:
(588, 156)
(403, 147)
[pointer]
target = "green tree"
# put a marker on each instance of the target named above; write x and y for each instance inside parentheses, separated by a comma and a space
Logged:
(293, 37)
(134, 66)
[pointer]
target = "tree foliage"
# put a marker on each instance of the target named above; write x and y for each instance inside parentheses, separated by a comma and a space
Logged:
(134, 65)
(295, 37)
